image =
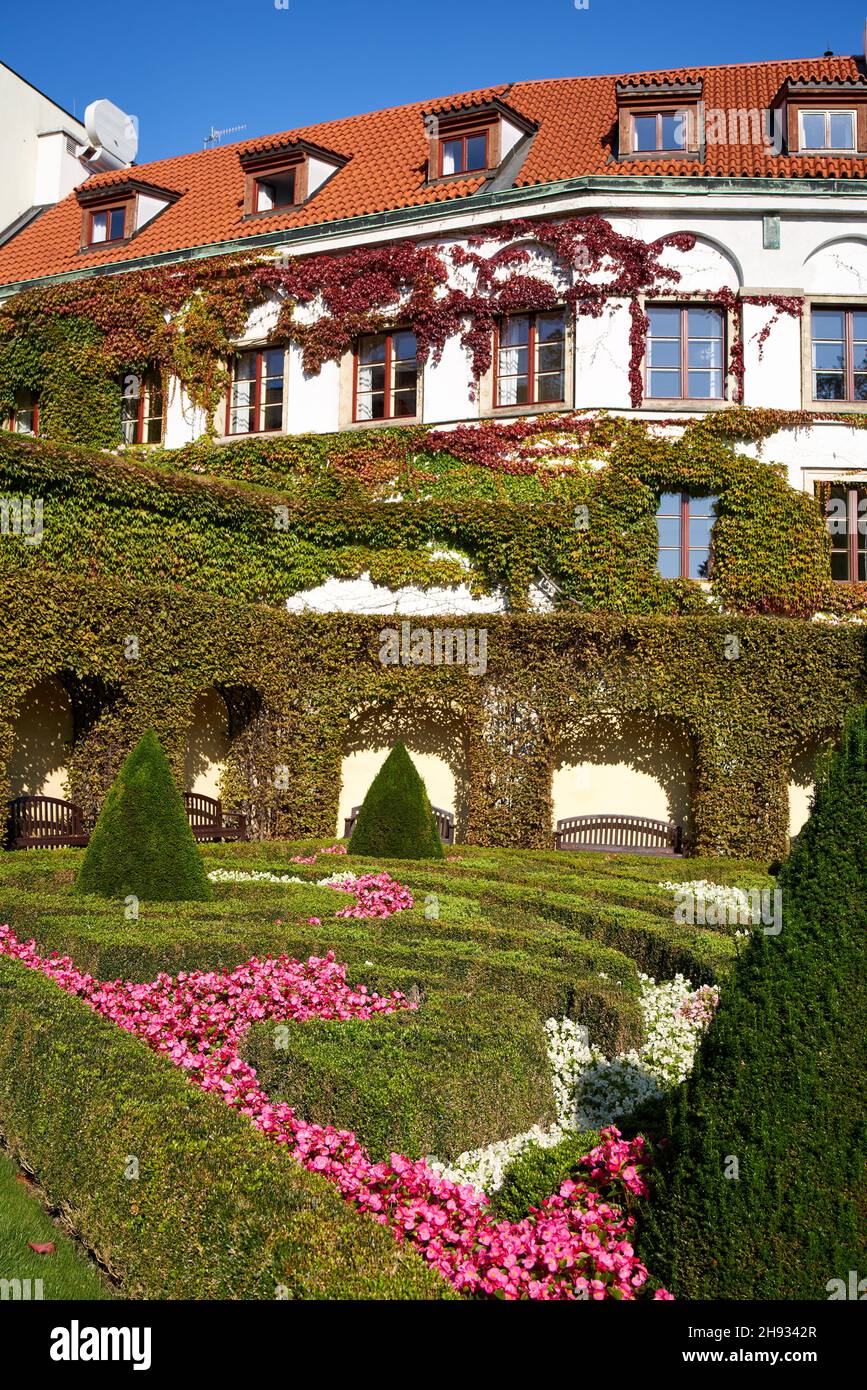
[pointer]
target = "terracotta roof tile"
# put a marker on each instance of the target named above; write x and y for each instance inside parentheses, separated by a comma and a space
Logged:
(386, 153)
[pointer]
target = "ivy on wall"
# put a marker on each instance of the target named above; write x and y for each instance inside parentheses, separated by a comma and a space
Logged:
(295, 685)
(571, 496)
(73, 343)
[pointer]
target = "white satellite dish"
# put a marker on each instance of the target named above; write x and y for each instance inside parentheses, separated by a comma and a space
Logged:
(111, 131)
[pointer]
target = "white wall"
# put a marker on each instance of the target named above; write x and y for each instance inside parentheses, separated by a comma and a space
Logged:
(42, 739)
(30, 175)
(207, 745)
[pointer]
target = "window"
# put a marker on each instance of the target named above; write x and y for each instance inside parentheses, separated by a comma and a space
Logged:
(141, 409)
(839, 354)
(109, 224)
(661, 130)
(684, 526)
(386, 376)
(685, 350)
(459, 154)
(845, 507)
(275, 191)
(256, 392)
(25, 417)
(827, 130)
(530, 359)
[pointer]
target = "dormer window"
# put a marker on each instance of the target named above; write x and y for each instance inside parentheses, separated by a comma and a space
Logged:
(285, 176)
(661, 130)
(109, 224)
(275, 191)
(658, 119)
(827, 131)
(475, 140)
(112, 213)
(462, 154)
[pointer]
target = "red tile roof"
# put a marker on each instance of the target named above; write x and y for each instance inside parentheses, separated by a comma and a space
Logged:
(386, 153)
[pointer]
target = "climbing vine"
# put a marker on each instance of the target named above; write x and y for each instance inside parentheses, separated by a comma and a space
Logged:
(73, 343)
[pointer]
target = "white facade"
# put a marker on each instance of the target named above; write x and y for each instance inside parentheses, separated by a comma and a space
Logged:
(39, 142)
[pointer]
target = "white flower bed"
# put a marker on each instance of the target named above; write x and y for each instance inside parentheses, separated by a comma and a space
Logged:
(591, 1090)
(262, 876)
(729, 902)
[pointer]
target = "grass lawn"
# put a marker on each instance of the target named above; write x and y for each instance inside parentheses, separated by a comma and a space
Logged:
(66, 1273)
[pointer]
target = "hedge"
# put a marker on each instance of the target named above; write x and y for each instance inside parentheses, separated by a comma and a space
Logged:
(761, 1191)
(456, 1074)
(217, 1211)
(537, 1173)
(295, 686)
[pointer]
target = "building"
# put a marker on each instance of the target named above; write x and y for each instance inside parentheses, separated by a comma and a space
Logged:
(713, 256)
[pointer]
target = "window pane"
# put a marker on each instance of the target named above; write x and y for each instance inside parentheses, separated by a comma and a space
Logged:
(664, 352)
(673, 132)
(373, 349)
(828, 356)
(512, 390)
(405, 377)
(272, 362)
(552, 328)
(403, 347)
(549, 357)
(669, 504)
(550, 387)
(668, 564)
(702, 506)
(644, 132)
(245, 366)
(704, 385)
(828, 387)
(705, 352)
(665, 384)
(477, 152)
(699, 532)
(859, 325)
(840, 565)
(371, 379)
(515, 330)
(860, 387)
(513, 361)
(98, 227)
(842, 130)
(813, 130)
(265, 196)
(668, 528)
(664, 323)
(404, 403)
(704, 323)
(452, 156)
(117, 219)
(699, 564)
(272, 416)
(828, 323)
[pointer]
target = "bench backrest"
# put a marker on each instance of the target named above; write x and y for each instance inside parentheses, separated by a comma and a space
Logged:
(46, 818)
(619, 832)
(445, 823)
(203, 810)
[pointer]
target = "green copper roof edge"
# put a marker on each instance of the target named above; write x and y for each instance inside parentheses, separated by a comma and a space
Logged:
(476, 202)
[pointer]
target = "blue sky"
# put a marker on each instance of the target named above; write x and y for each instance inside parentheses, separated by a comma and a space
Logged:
(183, 66)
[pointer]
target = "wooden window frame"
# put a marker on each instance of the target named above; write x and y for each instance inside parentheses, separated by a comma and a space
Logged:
(11, 420)
(852, 520)
(387, 417)
(265, 177)
(108, 208)
(257, 394)
(685, 499)
(463, 136)
(532, 344)
(683, 370)
(658, 114)
(827, 112)
(147, 382)
(848, 354)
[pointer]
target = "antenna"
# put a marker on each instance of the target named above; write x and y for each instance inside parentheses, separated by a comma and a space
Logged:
(214, 136)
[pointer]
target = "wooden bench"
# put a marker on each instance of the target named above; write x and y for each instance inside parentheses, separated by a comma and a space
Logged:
(444, 819)
(209, 821)
(44, 822)
(619, 835)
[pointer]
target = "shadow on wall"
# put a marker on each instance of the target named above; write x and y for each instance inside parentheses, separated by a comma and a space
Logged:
(207, 745)
(42, 740)
(625, 765)
(436, 742)
(802, 779)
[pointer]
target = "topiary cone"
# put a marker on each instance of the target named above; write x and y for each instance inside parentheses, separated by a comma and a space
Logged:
(142, 844)
(396, 820)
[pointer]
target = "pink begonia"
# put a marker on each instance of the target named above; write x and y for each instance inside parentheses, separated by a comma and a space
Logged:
(574, 1246)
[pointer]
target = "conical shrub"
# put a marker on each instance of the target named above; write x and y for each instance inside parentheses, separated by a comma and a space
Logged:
(760, 1192)
(396, 820)
(142, 844)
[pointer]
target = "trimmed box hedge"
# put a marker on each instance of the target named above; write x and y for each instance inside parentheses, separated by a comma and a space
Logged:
(218, 1211)
(458, 1073)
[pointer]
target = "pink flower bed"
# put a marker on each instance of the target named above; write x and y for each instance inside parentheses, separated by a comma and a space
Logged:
(575, 1246)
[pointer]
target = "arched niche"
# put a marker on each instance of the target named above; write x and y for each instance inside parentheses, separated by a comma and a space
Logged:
(838, 267)
(633, 765)
(207, 745)
(802, 779)
(435, 740)
(42, 737)
(708, 266)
